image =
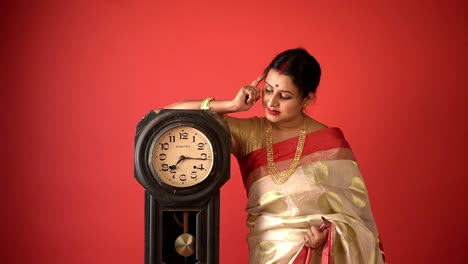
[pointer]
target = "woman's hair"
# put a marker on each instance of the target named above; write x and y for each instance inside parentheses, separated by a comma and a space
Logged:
(300, 66)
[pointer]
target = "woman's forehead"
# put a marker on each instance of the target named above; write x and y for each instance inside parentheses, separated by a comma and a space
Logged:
(281, 81)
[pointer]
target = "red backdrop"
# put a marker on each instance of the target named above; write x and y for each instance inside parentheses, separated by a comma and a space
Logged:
(77, 77)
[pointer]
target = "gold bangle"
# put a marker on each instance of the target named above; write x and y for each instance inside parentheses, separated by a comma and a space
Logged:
(205, 105)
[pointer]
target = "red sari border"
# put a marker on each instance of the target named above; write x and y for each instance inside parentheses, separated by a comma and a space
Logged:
(322, 142)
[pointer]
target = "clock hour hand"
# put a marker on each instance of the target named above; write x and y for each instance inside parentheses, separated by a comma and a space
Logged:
(181, 158)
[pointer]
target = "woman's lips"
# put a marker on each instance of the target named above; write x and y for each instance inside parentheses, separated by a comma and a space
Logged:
(273, 112)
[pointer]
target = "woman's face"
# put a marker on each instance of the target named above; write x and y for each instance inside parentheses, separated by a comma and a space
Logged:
(282, 101)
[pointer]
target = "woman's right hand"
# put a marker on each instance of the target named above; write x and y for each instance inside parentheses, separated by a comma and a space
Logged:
(247, 96)
(316, 237)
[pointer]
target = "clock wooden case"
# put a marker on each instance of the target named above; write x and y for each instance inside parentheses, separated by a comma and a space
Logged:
(182, 158)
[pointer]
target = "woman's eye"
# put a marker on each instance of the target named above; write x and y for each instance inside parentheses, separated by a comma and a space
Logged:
(268, 91)
(286, 97)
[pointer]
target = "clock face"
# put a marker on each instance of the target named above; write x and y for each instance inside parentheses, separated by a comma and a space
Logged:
(182, 157)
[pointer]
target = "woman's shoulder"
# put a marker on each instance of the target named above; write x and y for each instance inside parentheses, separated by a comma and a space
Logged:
(244, 119)
(248, 122)
(245, 134)
(332, 136)
(323, 132)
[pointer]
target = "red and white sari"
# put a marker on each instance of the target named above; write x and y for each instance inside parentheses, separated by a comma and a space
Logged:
(327, 183)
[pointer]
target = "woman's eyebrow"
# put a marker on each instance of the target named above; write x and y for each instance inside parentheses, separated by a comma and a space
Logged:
(283, 91)
(269, 84)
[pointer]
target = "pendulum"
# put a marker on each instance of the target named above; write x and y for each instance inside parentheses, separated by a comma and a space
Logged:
(184, 244)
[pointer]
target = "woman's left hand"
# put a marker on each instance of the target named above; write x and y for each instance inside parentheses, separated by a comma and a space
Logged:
(315, 238)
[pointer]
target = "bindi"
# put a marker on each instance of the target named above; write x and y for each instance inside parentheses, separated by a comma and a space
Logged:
(276, 85)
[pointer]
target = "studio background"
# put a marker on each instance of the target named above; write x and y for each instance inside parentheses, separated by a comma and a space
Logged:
(77, 76)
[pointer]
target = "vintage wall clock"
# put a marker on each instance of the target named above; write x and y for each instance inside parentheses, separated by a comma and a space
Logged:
(182, 158)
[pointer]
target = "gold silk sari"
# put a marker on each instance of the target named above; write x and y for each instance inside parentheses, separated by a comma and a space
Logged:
(327, 183)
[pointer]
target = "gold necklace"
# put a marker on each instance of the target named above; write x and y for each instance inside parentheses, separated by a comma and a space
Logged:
(282, 177)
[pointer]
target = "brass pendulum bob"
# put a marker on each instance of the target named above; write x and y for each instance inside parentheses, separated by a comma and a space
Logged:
(184, 244)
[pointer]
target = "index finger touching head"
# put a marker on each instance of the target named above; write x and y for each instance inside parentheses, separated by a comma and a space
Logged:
(258, 80)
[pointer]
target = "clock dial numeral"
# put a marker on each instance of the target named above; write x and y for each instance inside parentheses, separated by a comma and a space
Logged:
(171, 138)
(200, 167)
(193, 175)
(201, 146)
(162, 156)
(164, 146)
(164, 167)
(204, 156)
(183, 135)
(183, 177)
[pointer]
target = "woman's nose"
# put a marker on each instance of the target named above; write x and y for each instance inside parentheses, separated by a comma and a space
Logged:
(272, 101)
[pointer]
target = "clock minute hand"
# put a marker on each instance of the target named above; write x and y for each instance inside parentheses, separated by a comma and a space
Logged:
(193, 158)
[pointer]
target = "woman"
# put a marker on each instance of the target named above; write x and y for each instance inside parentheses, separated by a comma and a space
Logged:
(306, 198)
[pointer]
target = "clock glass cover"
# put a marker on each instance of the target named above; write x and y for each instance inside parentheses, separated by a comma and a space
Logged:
(182, 157)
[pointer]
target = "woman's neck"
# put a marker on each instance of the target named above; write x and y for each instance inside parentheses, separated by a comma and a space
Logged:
(295, 124)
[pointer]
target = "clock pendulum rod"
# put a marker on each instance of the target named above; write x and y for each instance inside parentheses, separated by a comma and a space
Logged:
(185, 222)
(184, 244)
(186, 227)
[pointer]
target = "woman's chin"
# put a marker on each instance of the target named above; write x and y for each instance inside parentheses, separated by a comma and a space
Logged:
(271, 118)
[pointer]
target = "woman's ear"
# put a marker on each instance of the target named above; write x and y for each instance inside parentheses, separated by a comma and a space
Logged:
(309, 97)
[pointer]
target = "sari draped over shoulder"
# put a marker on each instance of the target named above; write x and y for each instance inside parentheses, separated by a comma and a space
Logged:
(327, 183)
